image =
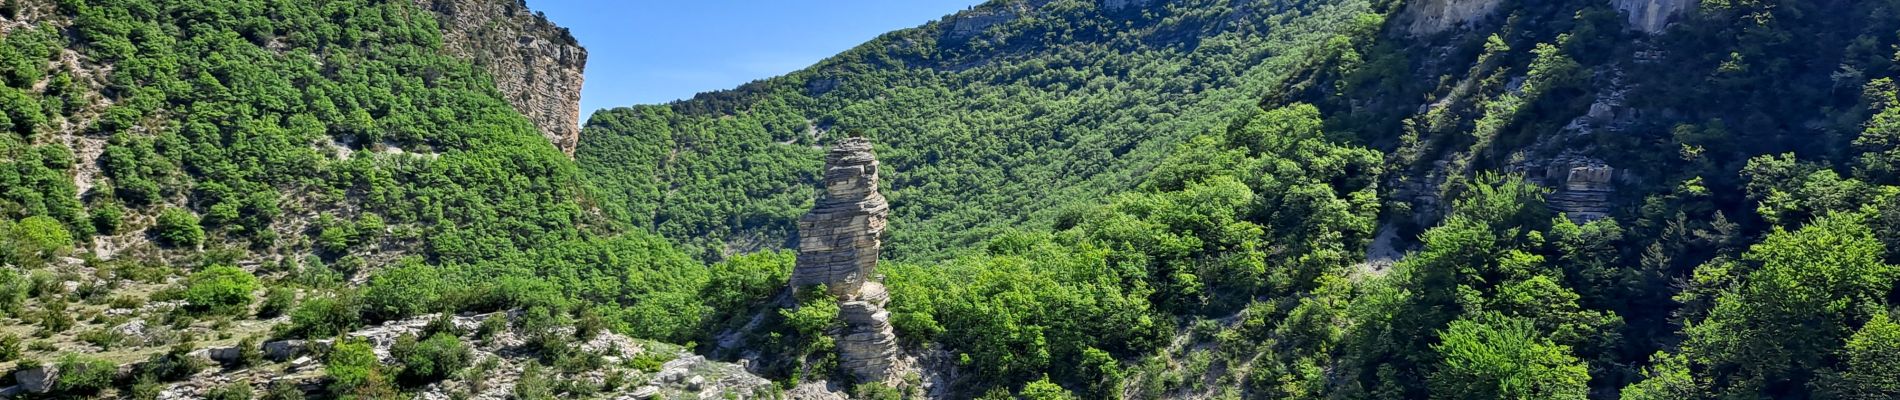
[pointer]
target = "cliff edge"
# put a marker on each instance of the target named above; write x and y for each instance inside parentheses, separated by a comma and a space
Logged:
(536, 64)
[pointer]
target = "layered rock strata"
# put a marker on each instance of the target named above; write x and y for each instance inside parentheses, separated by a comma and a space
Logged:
(1584, 192)
(838, 240)
(536, 65)
(838, 247)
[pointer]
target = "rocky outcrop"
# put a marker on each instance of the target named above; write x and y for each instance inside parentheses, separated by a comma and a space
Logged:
(1652, 16)
(1433, 16)
(968, 24)
(868, 346)
(838, 240)
(838, 247)
(1118, 5)
(1583, 188)
(536, 65)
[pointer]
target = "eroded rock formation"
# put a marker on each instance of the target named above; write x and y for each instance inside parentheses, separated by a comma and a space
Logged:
(838, 240)
(838, 247)
(536, 65)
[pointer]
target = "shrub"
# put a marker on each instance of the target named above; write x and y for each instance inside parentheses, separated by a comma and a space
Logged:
(107, 218)
(534, 384)
(491, 326)
(876, 391)
(650, 361)
(220, 289)
(106, 338)
(1045, 390)
(249, 353)
(442, 323)
(146, 388)
(276, 302)
(14, 288)
(126, 302)
(54, 318)
(10, 348)
(354, 372)
(431, 359)
(240, 390)
(284, 390)
(81, 376)
(178, 227)
(588, 324)
(322, 317)
(399, 292)
(174, 364)
(40, 237)
(816, 313)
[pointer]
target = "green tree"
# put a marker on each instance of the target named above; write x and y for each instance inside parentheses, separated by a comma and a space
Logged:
(178, 227)
(220, 289)
(1495, 357)
(1870, 365)
(1794, 311)
(429, 360)
(1043, 389)
(323, 316)
(36, 239)
(407, 289)
(81, 376)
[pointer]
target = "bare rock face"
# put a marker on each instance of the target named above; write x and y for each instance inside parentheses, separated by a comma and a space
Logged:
(838, 240)
(838, 247)
(1585, 190)
(868, 346)
(1434, 16)
(1651, 16)
(1117, 5)
(536, 65)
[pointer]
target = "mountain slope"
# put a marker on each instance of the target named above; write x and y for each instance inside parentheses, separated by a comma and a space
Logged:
(1572, 199)
(990, 118)
(183, 182)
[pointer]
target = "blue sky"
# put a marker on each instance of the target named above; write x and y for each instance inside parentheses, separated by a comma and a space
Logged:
(650, 51)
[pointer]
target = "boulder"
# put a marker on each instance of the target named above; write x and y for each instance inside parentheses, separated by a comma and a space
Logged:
(224, 355)
(281, 350)
(37, 379)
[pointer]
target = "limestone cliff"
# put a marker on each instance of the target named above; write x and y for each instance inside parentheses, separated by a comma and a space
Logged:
(1652, 16)
(536, 65)
(838, 247)
(1432, 16)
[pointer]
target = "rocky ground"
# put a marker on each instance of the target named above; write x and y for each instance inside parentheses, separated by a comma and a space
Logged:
(500, 362)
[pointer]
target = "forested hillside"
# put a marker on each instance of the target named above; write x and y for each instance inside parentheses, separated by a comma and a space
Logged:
(994, 117)
(182, 182)
(1302, 199)
(1140, 199)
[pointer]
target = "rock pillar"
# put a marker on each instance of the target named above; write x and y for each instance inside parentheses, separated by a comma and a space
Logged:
(838, 247)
